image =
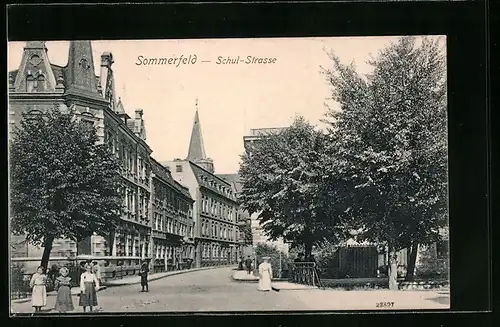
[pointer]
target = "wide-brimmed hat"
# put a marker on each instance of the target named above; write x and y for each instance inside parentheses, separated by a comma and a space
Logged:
(266, 258)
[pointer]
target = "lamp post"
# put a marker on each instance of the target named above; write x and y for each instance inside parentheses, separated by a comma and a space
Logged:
(255, 256)
(280, 264)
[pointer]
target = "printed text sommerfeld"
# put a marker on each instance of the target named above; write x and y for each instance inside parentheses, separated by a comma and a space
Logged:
(193, 59)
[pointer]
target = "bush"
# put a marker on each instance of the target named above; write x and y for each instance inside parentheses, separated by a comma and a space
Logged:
(265, 250)
(19, 286)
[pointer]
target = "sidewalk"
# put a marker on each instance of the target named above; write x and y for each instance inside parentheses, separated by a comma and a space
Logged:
(287, 286)
(243, 275)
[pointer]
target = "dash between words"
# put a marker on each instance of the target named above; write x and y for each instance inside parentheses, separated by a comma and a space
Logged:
(193, 59)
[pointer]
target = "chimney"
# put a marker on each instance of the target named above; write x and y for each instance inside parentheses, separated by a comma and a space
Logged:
(138, 123)
(106, 62)
(138, 113)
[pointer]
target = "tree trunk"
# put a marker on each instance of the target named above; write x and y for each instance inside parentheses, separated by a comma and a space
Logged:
(393, 270)
(410, 272)
(307, 250)
(47, 248)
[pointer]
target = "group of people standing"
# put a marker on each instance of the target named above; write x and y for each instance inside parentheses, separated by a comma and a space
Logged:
(89, 284)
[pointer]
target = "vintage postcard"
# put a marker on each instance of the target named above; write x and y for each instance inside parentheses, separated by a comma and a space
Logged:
(237, 175)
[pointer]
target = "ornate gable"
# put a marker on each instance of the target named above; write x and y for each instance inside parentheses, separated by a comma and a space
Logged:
(35, 72)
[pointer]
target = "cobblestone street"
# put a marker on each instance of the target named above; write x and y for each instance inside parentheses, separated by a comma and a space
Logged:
(214, 290)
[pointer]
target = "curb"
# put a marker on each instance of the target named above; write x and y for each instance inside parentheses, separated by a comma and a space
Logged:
(257, 280)
(173, 273)
(51, 293)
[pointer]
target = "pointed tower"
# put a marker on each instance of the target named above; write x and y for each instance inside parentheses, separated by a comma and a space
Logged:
(35, 73)
(120, 110)
(80, 73)
(196, 151)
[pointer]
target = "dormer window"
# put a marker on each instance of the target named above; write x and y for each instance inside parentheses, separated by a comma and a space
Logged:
(35, 84)
(41, 83)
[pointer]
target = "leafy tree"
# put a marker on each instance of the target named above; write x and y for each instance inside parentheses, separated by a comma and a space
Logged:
(246, 230)
(283, 177)
(391, 145)
(62, 182)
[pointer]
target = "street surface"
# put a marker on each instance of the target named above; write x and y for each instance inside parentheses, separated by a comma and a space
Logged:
(214, 290)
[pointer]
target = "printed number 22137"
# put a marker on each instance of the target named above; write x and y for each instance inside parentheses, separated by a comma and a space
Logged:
(385, 304)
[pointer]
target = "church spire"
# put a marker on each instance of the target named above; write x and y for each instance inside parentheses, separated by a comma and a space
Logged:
(80, 73)
(196, 147)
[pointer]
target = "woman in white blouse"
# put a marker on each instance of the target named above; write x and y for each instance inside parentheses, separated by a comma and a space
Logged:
(89, 285)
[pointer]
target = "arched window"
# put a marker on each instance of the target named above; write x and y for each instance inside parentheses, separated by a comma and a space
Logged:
(41, 83)
(31, 84)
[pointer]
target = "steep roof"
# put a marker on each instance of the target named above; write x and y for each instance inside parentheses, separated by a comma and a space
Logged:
(164, 174)
(80, 74)
(233, 179)
(196, 150)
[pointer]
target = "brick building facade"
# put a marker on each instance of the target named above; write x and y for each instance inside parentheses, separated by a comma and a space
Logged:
(39, 85)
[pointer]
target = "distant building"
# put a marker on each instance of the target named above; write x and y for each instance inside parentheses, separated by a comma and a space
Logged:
(215, 208)
(243, 218)
(259, 236)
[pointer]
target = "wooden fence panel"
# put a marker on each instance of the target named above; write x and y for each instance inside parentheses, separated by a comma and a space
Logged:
(358, 262)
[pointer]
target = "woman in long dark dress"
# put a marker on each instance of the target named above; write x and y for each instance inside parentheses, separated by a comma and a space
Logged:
(64, 302)
(89, 285)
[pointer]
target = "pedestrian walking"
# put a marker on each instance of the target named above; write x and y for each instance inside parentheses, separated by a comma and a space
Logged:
(89, 285)
(240, 263)
(248, 264)
(265, 275)
(144, 277)
(64, 302)
(38, 284)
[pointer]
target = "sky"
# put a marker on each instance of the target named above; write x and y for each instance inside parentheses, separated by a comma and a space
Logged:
(232, 98)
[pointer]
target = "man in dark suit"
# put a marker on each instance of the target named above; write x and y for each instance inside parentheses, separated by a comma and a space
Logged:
(248, 264)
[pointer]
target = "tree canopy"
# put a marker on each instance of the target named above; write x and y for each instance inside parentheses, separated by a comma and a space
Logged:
(63, 183)
(391, 143)
(282, 177)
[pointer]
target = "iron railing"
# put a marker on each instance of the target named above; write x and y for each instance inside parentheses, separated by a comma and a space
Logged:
(304, 273)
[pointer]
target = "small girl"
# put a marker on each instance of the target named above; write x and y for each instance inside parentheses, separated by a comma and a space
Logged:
(64, 302)
(89, 285)
(39, 291)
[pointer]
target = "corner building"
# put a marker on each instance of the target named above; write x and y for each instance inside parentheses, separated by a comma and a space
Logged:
(39, 85)
(215, 208)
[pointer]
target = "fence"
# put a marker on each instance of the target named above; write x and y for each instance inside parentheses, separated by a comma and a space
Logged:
(352, 262)
(304, 273)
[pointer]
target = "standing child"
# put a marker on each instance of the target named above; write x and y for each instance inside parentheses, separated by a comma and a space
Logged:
(89, 285)
(64, 302)
(39, 291)
(144, 277)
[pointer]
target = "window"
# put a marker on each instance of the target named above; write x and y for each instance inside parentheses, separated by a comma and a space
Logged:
(178, 168)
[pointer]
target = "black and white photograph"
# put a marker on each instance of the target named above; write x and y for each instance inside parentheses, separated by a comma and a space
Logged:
(228, 175)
